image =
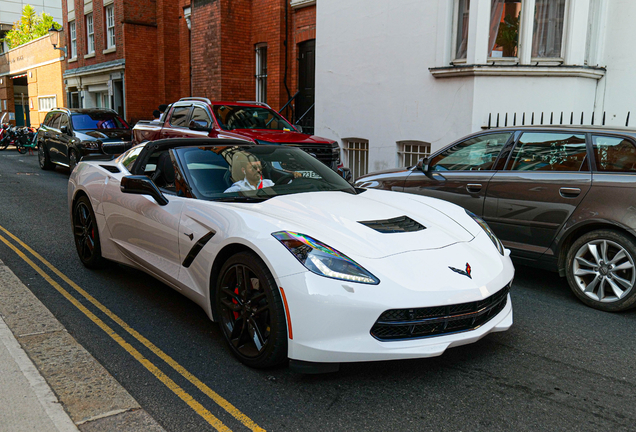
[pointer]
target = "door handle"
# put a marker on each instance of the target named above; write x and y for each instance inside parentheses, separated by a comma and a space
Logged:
(566, 192)
(473, 187)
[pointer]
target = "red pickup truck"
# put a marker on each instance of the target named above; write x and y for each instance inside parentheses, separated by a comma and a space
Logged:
(195, 117)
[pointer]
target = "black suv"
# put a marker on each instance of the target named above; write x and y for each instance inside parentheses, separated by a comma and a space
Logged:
(562, 198)
(66, 135)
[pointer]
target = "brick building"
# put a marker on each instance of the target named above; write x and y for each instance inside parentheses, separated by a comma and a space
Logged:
(126, 54)
(31, 82)
(260, 50)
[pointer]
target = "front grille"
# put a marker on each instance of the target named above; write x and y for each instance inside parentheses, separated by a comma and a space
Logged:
(401, 324)
(115, 147)
(323, 153)
(395, 225)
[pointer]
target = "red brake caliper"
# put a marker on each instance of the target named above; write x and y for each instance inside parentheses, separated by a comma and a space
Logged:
(236, 314)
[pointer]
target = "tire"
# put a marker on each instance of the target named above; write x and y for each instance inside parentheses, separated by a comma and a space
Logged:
(601, 270)
(72, 160)
(4, 143)
(44, 159)
(86, 234)
(21, 149)
(251, 314)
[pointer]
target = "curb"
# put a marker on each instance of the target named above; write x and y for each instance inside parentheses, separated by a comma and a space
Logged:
(91, 397)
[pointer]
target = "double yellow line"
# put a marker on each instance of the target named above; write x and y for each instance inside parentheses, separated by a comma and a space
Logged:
(176, 389)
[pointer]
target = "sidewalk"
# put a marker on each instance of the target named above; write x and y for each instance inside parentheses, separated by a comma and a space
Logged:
(27, 401)
(49, 382)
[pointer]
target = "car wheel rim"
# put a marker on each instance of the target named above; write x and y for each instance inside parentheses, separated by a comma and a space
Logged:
(604, 271)
(245, 311)
(84, 230)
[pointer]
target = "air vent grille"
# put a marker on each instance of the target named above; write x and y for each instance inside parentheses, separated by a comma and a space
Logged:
(111, 168)
(395, 225)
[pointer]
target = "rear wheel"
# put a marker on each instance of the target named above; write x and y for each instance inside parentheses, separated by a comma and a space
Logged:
(20, 148)
(44, 159)
(86, 234)
(4, 143)
(250, 311)
(601, 270)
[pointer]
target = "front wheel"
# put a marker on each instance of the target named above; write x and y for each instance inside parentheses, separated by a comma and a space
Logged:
(4, 143)
(601, 270)
(86, 234)
(250, 311)
(20, 148)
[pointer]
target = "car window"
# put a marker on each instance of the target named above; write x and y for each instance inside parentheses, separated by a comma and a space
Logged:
(548, 151)
(201, 116)
(47, 119)
(247, 117)
(478, 153)
(98, 120)
(63, 121)
(180, 116)
(129, 158)
(614, 153)
(55, 121)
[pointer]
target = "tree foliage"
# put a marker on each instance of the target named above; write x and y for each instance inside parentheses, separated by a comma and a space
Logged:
(30, 26)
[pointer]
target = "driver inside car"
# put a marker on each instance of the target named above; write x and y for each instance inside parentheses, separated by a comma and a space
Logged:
(247, 173)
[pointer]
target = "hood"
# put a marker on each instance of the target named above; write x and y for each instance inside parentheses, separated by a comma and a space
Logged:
(282, 137)
(334, 219)
(105, 135)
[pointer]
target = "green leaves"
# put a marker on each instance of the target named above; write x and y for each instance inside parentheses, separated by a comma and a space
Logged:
(30, 26)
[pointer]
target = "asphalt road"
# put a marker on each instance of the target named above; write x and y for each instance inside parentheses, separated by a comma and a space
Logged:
(562, 366)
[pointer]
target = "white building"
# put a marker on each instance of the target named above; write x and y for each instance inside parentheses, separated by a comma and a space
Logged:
(11, 11)
(404, 76)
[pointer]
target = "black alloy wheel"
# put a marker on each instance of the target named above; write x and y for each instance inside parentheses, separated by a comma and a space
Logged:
(72, 160)
(44, 159)
(250, 311)
(601, 270)
(86, 234)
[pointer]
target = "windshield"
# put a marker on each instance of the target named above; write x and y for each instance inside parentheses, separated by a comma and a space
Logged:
(232, 117)
(255, 173)
(98, 120)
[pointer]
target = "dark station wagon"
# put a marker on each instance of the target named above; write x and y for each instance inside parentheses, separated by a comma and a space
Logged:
(68, 134)
(561, 198)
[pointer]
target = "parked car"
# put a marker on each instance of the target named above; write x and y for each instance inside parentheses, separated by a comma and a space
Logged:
(255, 122)
(300, 264)
(68, 134)
(560, 198)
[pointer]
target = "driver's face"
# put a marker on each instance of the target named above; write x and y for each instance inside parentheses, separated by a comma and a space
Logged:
(253, 172)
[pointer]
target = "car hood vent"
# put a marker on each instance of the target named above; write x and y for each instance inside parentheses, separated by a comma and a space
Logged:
(111, 168)
(395, 225)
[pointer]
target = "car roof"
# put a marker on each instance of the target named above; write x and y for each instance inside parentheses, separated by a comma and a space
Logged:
(568, 128)
(84, 110)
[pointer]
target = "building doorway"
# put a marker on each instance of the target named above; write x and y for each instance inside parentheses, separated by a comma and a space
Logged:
(306, 85)
(21, 100)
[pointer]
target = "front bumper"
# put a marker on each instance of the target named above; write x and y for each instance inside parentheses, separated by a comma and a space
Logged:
(332, 320)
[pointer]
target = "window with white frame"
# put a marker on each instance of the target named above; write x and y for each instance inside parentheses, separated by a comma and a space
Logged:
(90, 34)
(47, 103)
(503, 36)
(261, 73)
(410, 152)
(73, 44)
(110, 26)
(356, 152)
(461, 29)
(547, 35)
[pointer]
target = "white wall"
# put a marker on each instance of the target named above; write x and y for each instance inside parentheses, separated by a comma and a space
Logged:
(373, 79)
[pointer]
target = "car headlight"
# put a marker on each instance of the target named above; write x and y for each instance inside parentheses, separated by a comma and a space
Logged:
(323, 260)
(482, 223)
(93, 145)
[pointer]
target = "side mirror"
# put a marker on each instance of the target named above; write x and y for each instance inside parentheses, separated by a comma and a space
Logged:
(142, 185)
(299, 128)
(424, 166)
(65, 130)
(196, 126)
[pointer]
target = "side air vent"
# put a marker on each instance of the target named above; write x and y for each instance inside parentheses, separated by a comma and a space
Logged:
(395, 225)
(111, 168)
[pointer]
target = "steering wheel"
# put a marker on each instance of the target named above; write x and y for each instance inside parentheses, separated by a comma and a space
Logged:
(284, 179)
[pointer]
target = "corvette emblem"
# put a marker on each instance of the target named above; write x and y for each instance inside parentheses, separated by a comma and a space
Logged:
(462, 272)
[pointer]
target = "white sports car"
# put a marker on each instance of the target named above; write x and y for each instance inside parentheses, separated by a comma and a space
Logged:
(290, 259)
